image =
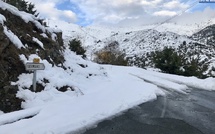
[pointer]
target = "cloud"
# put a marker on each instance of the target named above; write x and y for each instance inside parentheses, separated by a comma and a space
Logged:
(197, 17)
(165, 13)
(175, 4)
(112, 12)
(47, 9)
(115, 11)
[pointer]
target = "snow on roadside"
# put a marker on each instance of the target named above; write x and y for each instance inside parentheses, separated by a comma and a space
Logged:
(107, 91)
(163, 83)
(105, 97)
(15, 116)
(193, 82)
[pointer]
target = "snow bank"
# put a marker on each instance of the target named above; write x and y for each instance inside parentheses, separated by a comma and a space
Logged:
(15, 116)
(193, 82)
(107, 90)
(106, 96)
(163, 83)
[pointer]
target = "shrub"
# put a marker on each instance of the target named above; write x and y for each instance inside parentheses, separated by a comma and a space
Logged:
(23, 5)
(170, 61)
(110, 54)
(75, 46)
(108, 57)
(139, 61)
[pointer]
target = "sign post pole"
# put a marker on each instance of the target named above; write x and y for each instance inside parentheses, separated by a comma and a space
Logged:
(34, 66)
(34, 80)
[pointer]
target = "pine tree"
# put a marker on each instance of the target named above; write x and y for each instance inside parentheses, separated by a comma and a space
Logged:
(176, 62)
(22, 5)
(75, 46)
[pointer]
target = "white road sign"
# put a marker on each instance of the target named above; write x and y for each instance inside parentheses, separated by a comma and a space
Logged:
(34, 66)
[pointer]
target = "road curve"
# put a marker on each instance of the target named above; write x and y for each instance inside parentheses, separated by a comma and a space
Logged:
(175, 113)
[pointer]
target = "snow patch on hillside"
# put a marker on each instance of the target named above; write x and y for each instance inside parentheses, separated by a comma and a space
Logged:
(38, 42)
(2, 19)
(13, 38)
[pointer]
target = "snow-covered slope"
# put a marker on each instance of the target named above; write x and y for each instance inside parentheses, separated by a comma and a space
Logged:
(132, 40)
(139, 41)
(146, 41)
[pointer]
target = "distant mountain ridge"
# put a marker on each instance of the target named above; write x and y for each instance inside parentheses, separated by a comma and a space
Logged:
(91, 34)
(139, 42)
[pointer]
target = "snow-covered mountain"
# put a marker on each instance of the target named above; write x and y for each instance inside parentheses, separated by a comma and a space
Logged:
(101, 32)
(140, 41)
(206, 36)
(131, 39)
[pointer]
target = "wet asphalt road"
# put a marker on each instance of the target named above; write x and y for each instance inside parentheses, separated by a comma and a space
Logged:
(193, 113)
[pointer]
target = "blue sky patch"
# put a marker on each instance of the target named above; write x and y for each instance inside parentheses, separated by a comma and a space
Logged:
(68, 5)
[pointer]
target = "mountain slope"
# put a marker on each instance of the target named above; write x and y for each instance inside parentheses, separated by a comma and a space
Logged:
(138, 42)
(206, 36)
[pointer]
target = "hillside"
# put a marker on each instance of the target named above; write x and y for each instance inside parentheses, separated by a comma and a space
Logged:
(138, 42)
(206, 36)
(21, 36)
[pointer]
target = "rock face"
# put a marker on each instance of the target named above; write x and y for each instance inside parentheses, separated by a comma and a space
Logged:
(10, 64)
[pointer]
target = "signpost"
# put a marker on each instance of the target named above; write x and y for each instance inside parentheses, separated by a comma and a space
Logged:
(34, 66)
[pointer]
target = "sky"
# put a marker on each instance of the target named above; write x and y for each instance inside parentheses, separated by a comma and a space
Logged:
(119, 12)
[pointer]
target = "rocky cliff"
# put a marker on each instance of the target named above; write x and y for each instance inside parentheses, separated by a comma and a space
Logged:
(22, 34)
